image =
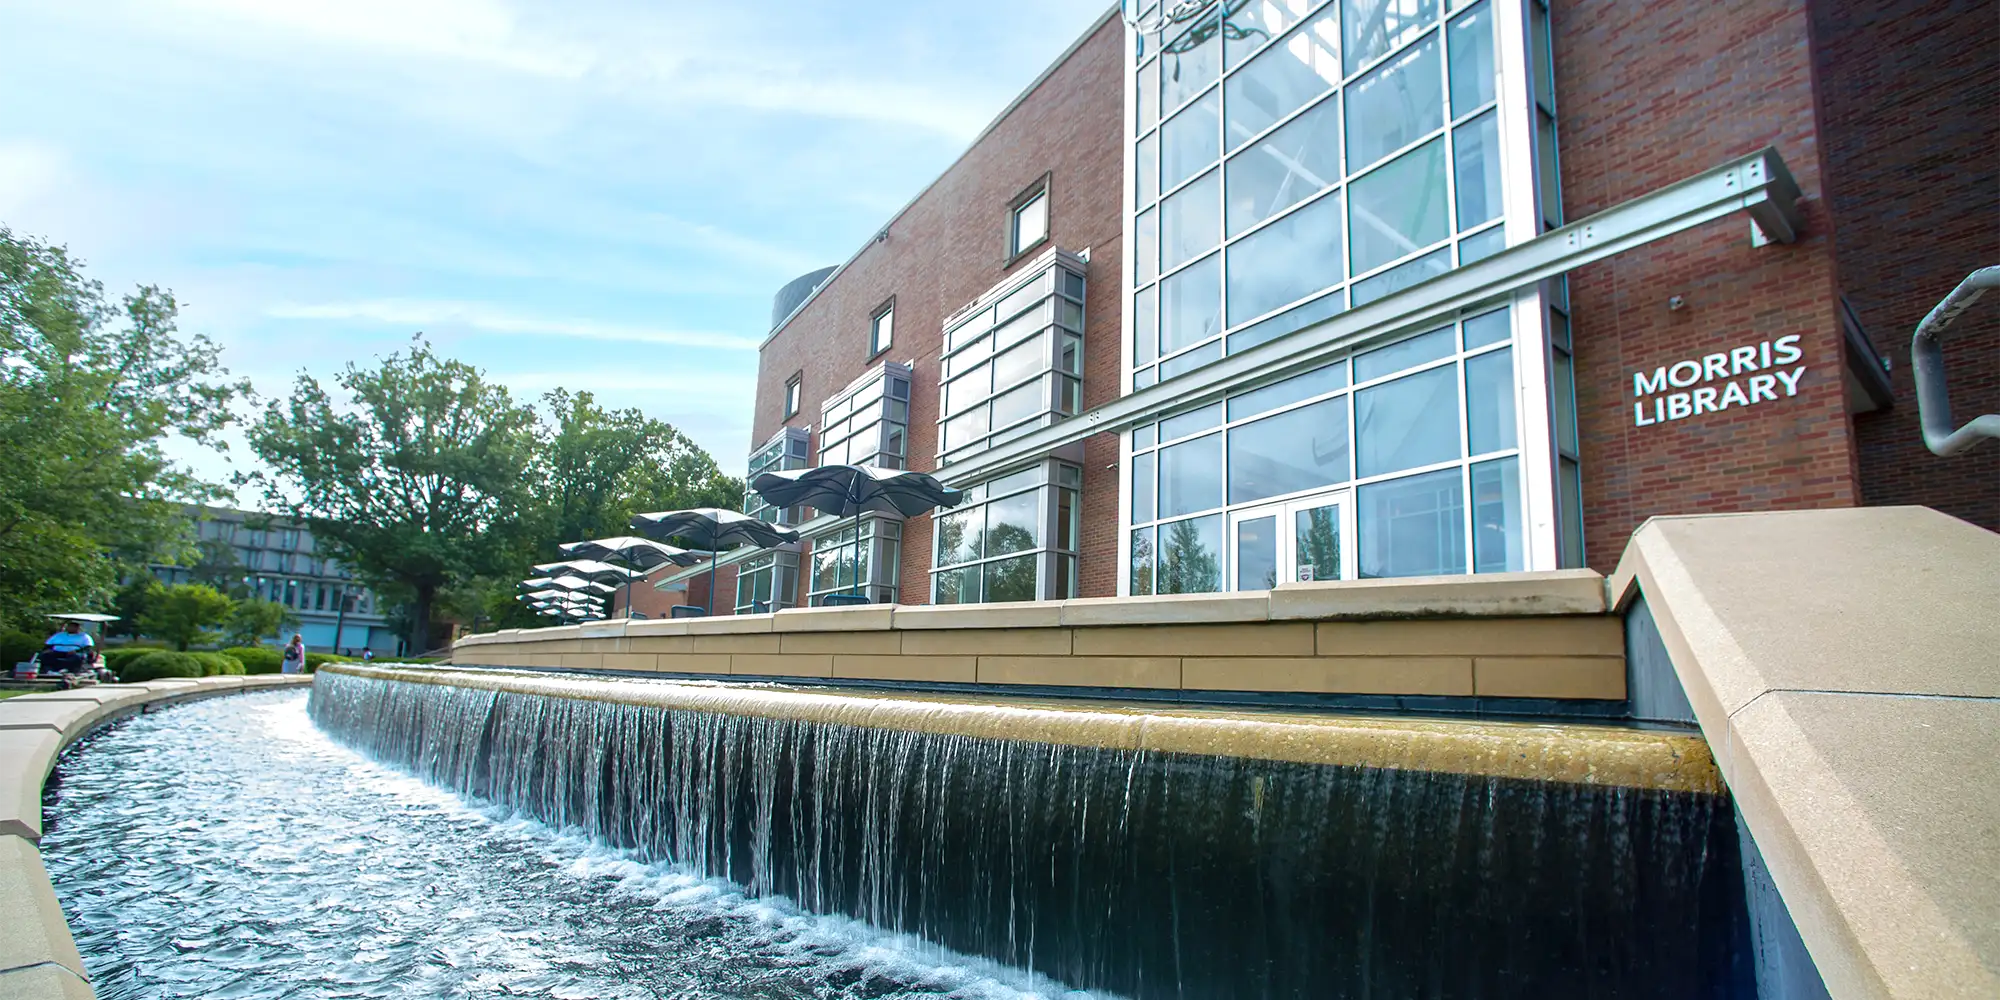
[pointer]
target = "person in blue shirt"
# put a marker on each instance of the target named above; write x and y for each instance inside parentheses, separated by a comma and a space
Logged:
(73, 640)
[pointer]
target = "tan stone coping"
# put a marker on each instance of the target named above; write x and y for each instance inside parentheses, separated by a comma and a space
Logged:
(38, 958)
(1508, 635)
(1845, 666)
(1576, 754)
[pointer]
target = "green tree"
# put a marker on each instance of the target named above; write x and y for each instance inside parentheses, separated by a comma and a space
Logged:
(252, 619)
(603, 466)
(182, 613)
(90, 388)
(217, 565)
(138, 591)
(420, 478)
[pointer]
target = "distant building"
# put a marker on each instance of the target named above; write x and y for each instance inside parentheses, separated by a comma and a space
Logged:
(275, 560)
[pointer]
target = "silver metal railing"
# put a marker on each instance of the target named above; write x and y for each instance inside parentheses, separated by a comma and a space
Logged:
(1927, 363)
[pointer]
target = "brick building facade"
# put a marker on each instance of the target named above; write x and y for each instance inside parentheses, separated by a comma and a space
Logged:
(1709, 371)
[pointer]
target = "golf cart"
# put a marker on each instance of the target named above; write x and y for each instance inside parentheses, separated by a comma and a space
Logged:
(71, 666)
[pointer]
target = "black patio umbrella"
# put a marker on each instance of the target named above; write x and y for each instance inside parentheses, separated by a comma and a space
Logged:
(641, 555)
(714, 529)
(853, 490)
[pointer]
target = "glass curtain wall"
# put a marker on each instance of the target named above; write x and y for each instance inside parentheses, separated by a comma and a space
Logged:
(1292, 157)
(1014, 539)
(1423, 431)
(1015, 363)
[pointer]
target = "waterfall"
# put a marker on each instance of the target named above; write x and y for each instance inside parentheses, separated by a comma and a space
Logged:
(1149, 874)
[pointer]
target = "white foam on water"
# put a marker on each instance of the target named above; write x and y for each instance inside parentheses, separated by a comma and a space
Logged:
(782, 927)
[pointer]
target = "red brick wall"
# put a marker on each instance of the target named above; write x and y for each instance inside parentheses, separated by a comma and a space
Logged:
(656, 603)
(1910, 123)
(1648, 94)
(949, 247)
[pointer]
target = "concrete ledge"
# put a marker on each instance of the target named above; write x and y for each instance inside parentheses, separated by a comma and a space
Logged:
(1561, 592)
(1590, 755)
(1845, 666)
(1495, 595)
(44, 982)
(38, 957)
(1535, 636)
(36, 933)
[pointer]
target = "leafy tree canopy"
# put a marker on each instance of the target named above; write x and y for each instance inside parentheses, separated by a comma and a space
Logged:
(418, 479)
(181, 614)
(89, 389)
(253, 620)
(440, 490)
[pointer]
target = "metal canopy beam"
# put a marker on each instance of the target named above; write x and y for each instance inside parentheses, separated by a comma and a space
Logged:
(1758, 184)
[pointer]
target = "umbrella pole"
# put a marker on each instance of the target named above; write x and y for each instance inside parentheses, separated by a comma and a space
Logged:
(711, 581)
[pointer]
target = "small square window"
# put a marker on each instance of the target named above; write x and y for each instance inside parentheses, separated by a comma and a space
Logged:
(1028, 219)
(792, 397)
(882, 330)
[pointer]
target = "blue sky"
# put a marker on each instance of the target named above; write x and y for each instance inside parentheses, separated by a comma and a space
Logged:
(595, 194)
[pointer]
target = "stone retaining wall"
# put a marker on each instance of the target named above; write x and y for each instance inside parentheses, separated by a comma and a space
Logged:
(1513, 635)
(38, 959)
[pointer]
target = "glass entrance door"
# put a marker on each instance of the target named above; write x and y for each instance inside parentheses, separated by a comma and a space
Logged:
(1290, 541)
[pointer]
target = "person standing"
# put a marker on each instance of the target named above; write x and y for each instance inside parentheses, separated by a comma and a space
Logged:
(295, 655)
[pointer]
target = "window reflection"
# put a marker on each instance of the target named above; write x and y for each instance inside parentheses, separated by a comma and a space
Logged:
(1189, 143)
(1283, 79)
(1285, 168)
(1294, 451)
(1191, 221)
(1191, 556)
(1406, 423)
(1413, 526)
(1399, 208)
(1376, 27)
(1191, 476)
(1191, 305)
(1395, 105)
(1285, 261)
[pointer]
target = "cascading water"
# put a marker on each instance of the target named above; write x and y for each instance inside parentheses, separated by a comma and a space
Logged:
(1145, 873)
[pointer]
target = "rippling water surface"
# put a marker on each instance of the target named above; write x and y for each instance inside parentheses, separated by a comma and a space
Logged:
(229, 849)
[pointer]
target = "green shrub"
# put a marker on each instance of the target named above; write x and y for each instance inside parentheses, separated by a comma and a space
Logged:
(313, 660)
(258, 659)
(157, 663)
(118, 658)
(15, 647)
(218, 664)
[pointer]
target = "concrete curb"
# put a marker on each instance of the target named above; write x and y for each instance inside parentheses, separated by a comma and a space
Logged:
(38, 957)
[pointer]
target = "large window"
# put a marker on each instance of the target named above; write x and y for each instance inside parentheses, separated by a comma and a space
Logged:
(1293, 159)
(868, 423)
(1413, 428)
(1014, 539)
(1013, 360)
(882, 329)
(767, 581)
(1028, 219)
(790, 448)
(847, 561)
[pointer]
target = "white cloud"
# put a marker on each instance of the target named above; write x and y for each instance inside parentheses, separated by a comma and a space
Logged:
(422, 314)
(675, 384)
